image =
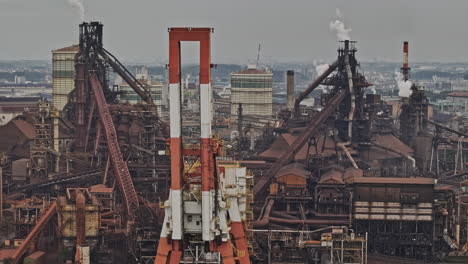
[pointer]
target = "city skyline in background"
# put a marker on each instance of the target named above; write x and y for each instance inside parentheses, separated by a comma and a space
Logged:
(288, 32)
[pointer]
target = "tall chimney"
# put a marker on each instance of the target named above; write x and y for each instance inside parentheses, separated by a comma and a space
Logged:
(290, 89)
(405, 69)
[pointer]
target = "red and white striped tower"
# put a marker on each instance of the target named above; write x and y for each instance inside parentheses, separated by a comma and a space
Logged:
(171, 244)
(205, 140)
(405, 69)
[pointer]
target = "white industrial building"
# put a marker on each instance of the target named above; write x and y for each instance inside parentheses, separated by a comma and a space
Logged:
(63, 75)
(253, 88)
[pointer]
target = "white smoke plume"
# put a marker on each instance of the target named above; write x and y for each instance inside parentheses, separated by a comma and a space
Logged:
(403, 87)
(321, 68)
(338, 26)
(78, 4)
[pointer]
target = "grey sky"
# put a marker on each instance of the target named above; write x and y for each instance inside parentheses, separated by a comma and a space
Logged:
(289, 30)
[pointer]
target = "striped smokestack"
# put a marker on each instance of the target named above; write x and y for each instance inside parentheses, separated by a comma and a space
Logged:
(405, 69)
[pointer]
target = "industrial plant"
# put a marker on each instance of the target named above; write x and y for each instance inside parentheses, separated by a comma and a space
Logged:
(155, 170)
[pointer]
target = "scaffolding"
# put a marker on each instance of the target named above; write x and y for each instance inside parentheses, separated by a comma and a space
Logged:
(345, 248)
(42, 141)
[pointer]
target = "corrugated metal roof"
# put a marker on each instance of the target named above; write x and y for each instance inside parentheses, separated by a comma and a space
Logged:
(26, 128)
(72, 48)
(6, 253)
(36, 255)
(100, 188)
(283, 142)
(333, 176)
(252, 71)
(297, 169)
(387, 140)
(15, 137)
(394, 180)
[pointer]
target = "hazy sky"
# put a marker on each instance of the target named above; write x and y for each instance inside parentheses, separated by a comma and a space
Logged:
(289, 30)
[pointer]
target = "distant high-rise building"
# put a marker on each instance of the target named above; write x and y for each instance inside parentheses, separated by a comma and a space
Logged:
(253, 89)
(128, 95)
(63, 75)
(20, 79)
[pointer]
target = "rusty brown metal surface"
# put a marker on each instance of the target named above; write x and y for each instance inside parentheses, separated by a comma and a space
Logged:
(51, 211)
(120, 167)
(259, 189)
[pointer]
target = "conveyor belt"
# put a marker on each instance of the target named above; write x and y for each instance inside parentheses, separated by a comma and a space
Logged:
(121, 172)
(59, 179)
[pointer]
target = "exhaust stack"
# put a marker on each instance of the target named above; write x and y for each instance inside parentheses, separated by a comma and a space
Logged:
(405, 69)
(290, 89)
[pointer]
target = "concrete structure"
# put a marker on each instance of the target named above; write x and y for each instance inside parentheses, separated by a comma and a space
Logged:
(128, 95)
(253, 89)
(460, 98)
(63, 74)
(459, 85)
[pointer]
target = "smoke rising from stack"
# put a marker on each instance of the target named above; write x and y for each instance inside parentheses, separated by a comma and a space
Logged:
(78, 4)
(321, 68)
(404, 87)
(338, 26)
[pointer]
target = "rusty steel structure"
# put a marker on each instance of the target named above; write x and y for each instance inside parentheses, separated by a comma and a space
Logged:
(120, 167)
(344, 165)
(344, 182)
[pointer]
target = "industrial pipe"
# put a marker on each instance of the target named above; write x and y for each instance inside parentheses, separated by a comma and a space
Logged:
(127, 76)
(413, 161)
(284, 215)
(309, 221)
(312, 86)
(266, 215)
(343, 145)
(349, 74)
(34, 232)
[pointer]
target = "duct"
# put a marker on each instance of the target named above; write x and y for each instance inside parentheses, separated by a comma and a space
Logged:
(266, 215)
(284, 215)
(312, 86)
(127, 76)
(351, 92)
(346, 151)
(310, 221)
(38, 228)
(349, 74)
(413, 161)
(329, 215)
